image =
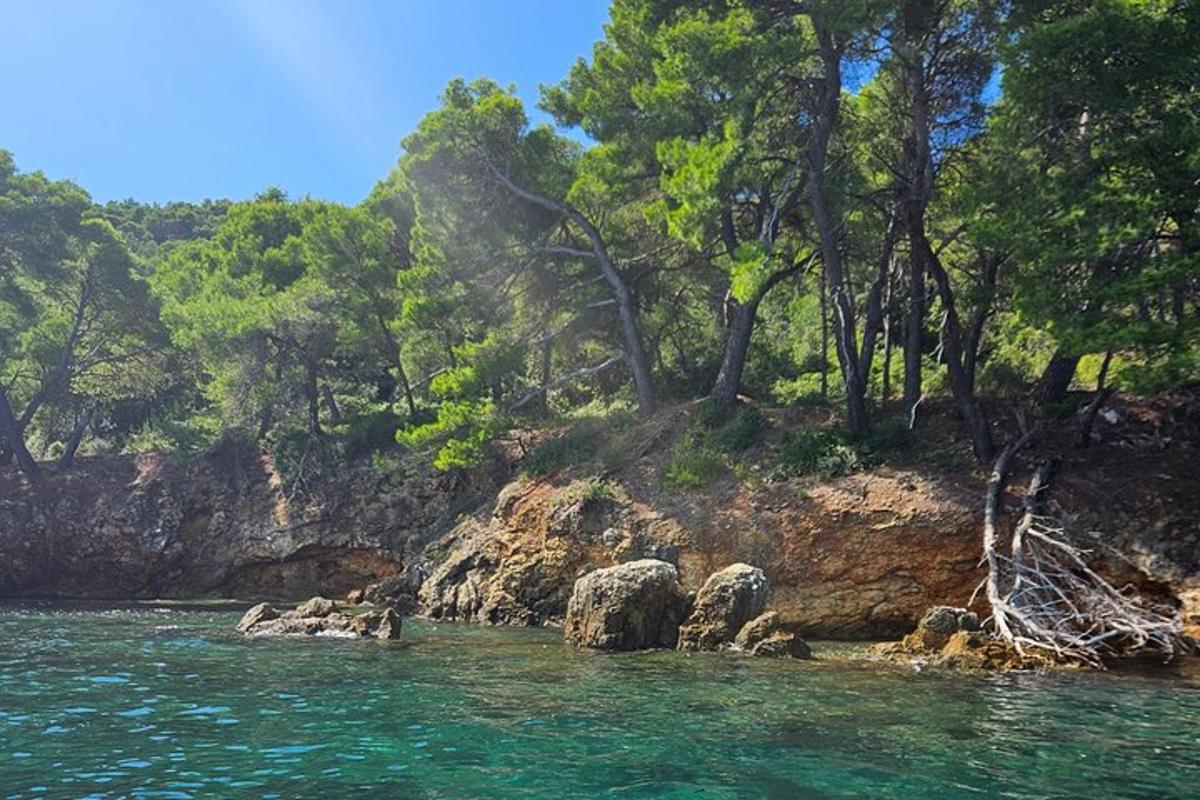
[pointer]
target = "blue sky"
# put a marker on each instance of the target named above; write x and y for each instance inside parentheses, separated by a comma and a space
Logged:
(185, 99)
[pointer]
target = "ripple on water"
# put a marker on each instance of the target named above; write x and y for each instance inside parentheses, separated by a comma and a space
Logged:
(464, 711)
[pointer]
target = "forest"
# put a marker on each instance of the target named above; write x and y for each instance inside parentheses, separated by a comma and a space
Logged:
(857, 203)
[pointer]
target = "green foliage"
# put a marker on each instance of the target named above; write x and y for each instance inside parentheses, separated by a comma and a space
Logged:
(369, 433)
(802, 391)
(179, 437)
(742, 432)
(577, 445)
(477, 288)
(694, 462)
(710, 446)
(597, 490)
(302, 460)
(821, 453)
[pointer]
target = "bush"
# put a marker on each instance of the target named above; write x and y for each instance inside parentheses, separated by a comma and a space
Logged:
(181, 439)
(743, 431)
(597, 490)
(805, 390)
(820, 453)
(693, 463)
(370, 432)
(574, 447)
(888, 436)
(302, 460)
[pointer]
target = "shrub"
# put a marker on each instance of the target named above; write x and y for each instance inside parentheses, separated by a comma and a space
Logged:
(708, 415)
(575, 446)
(302, 460)
(805, 390)
(693, 463)
(741, 432)
(370, 432)
(821, 453)
(888, 436)
(597, 490)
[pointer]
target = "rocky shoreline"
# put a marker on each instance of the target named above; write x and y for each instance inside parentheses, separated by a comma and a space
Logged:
(861, 557)
(639, 605)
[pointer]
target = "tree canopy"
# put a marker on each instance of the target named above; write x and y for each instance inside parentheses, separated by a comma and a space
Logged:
(857, 203)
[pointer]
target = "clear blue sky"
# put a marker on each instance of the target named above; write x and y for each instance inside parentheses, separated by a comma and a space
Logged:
(185, 99)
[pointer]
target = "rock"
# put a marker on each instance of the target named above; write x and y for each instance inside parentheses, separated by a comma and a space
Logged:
(631, 606)
(354, 597)
(314, 607)
(320, 617)
(937, 625)
(397, 591)
(260, 613)
(948, 619)
(769, 635)
(782, 645)
(952, 637)
(305, 626)
(727, 601)
(457, 588)
(978, 651)
(388, 625)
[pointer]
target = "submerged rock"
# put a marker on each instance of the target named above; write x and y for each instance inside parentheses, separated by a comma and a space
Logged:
(769, 635)
(320, 617)
(728, 600)
(633, 606)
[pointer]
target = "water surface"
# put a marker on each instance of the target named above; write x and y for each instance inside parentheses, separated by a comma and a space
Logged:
(166, 702)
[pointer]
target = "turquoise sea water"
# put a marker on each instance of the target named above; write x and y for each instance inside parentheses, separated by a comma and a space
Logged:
(165, 701)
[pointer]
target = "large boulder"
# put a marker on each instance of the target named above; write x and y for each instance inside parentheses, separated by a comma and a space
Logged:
(728, 600)
(323, 618)
(769, 635)
(633, 606)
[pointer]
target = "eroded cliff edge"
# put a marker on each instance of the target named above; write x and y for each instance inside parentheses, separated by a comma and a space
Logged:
(859, 556)
(222, 526)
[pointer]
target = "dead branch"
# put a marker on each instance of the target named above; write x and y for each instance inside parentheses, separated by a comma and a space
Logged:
(1045, 598)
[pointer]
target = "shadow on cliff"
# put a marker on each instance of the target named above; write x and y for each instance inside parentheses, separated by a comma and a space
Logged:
(221, 525)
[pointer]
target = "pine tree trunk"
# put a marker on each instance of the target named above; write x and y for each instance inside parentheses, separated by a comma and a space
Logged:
(631, 336)
(733, 364)
(886, 393)
(335, 411)
(824, 301)
(1056, 379)
(313, 396)
(965, 400)
(914, 325)
(544, 377)
(844, 338)
(918, 177)
(16, 441)
(68, 455)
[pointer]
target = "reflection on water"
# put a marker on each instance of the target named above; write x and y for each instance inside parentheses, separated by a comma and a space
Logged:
(167, 702)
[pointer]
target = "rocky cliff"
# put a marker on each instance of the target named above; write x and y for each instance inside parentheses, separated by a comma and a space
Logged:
(860, 556)
(147, 527)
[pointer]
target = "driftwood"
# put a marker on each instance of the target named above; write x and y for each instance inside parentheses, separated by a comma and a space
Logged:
(1045, 599)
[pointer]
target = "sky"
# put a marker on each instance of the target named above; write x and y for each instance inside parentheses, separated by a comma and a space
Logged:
(163, 100)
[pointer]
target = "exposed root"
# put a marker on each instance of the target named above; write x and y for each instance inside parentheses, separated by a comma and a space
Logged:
(1046, 600)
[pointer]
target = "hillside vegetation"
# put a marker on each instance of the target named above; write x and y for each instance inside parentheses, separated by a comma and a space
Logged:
(871, 209)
